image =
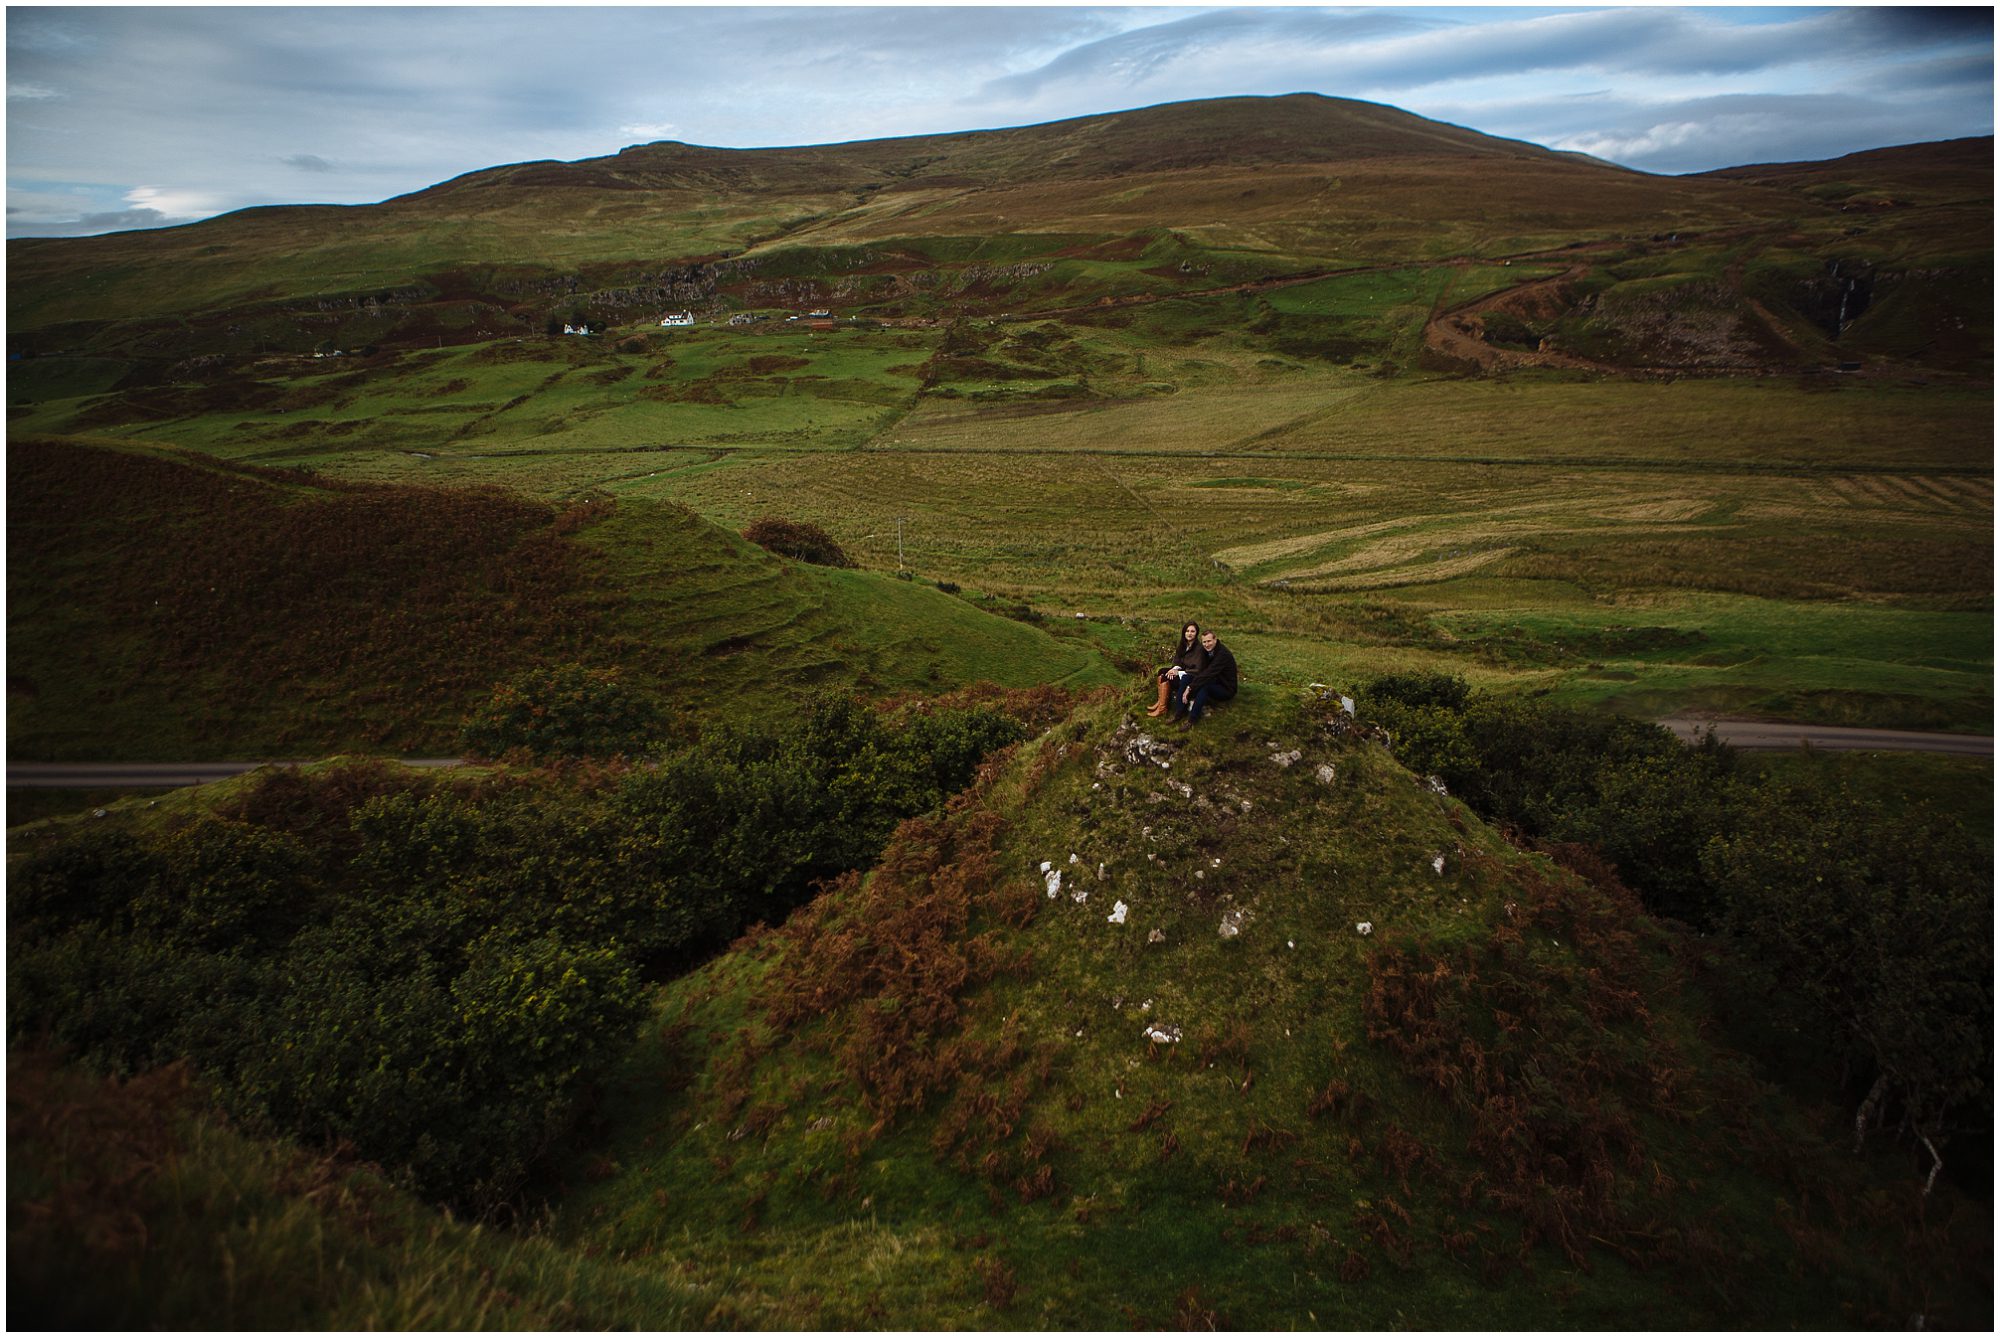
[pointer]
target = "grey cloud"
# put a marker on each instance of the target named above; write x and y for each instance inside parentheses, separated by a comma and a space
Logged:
(309, 162)
(1384, 50)
(1130, 57)
(123, 220)
(1929, 76)
(1667, 42)
(839, 35)
(1703, 134)
(47, 32)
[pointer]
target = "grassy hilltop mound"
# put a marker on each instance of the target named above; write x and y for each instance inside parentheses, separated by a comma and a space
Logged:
(164, 606)
(1281, 1037)
(1249, 1027)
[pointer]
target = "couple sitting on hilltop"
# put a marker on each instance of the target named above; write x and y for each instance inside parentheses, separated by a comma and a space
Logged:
(1203, 671)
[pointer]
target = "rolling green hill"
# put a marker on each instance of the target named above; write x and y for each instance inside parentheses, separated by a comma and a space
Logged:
(164, 606)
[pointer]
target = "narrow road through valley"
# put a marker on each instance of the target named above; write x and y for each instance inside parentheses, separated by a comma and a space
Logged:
(150, 775)
(1767, 735)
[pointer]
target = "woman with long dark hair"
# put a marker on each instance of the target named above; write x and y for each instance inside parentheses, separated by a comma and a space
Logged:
(1189, 658)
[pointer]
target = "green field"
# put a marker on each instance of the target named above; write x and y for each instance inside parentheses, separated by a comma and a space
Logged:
(1808, 550)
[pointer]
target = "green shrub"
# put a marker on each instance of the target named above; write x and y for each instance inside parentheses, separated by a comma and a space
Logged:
(437, 977)
(462, 1080)
(1448, 691)
(1630, 790)
(563, 711)
(798, 539)
(1880, 924)
(229, 887)
(93, 877)
(1886, 926)
(125, 1002)
(1505, 328)
(948, 746)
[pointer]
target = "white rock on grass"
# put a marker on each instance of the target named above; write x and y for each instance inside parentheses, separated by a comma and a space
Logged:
(1365, 928)
(1160, 1035)
(1232, 924)
(1117, 915)
(1285, 759)
(1437, 863)
(1156, 936)
(1325, 774)
(1053, 879)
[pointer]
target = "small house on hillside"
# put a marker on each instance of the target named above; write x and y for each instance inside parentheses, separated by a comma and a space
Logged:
(819, 315)
(678, 318)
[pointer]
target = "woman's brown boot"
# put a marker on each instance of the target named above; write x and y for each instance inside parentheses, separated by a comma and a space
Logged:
(1160, 708)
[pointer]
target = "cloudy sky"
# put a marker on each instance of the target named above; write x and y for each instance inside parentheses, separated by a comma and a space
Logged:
(138, 117)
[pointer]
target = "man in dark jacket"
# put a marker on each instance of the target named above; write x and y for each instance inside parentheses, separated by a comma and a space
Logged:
(1214, 683)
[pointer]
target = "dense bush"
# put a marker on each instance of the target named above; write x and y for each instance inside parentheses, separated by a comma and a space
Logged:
(434, 972)
(1506, 328)
(564, 711)
(1881, 924)
(1630, 789)
(799, 539)
(1886, 927)
(462, 1078)
(228, 887)
(93, 877)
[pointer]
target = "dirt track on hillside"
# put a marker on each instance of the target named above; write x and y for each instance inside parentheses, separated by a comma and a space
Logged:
(1459, 332)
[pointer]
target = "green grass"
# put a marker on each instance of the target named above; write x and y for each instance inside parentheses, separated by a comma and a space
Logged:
(743, 1149)
(149, 1213)
(162, 610)
(1832, 548)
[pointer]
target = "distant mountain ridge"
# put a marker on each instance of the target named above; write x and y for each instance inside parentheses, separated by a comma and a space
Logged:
(1228, 132)
(1134, 205)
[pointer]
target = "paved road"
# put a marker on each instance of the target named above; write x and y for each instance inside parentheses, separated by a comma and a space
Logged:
(1748, 734)
(1768, 735)
(149, 775)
